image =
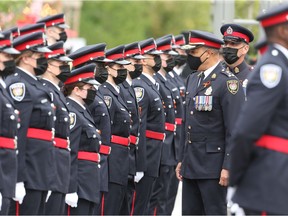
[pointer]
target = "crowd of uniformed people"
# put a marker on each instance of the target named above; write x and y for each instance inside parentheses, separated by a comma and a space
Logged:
(113, 131)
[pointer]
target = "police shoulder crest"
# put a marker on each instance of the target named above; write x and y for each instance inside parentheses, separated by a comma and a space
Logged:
(17, 91)
(270, 75)
(233, 86)
(72, 116)
(108, 100)
(227, 73)
(139, 92)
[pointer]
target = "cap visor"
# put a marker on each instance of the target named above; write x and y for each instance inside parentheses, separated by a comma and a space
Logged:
(42, 49)
(171, 52)
(64, 59)
(90, 81)
(104, 60)
(11, 50)
(123, 62)
(64, 26)
(155, 52)
(138, 57)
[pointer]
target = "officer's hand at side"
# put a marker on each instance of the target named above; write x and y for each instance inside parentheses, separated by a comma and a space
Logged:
(138, 176)
(48, 195)
(224, 177)
(0, 201)
(20, 192)
(71, 199)
(177, 171)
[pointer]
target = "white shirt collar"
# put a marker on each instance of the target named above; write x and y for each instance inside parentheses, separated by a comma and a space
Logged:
(58, 88)
(282, 49)
(129, 82)
(2, 82)
(114, 86)
(163, 76)
(179, 70)
(27, 72)
(77, 102)
(209, 70)
(150, 78)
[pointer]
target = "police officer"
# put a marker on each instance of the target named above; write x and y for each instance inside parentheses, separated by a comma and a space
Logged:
(28, 29)
(151, 127)
(56, 74)
(213, 101)
(132, 54)
(84, 187)
(261, 46)
(236, 46)
(36, 165)
(120, 129)
(260, 134)
(55, 28)
(9, 122)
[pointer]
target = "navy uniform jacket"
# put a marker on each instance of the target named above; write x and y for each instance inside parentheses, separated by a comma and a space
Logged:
(168, 104)
(85, 174)
(8, 158)
(179, 82)
(259, 168)
(128, 95)
(101, 116)
(36, 164)
(62, 131)
(118, 159)
(152, 118)
(208, 133)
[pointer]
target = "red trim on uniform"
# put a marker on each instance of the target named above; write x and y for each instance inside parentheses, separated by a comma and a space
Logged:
(147, 48)
(68, 210)
(133, 140)
(89, 156)
(54, 52)
(274, 20)
(115, 56)
(104, 149)
(273, 143)
(238, 34)
(178, 121)
(31, 31)
(120, 140)
(102, 205)
(131, 52)
(8, 143)
(41, 134)
(164, 47)
(263, 213)
(155, 211)
(22, 46)
(55, 22)
(87, 57)
(78, 77)
(155, 135)
(206, 42)
(170, 127)
(5, 42)
(15, 34)
(61, 143)
(180, 42)
(17, 209)
(262, 50)
(133, 203)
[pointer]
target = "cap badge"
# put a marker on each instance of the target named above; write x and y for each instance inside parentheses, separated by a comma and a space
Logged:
(229, 30)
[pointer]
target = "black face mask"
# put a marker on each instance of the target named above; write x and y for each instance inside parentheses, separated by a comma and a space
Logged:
(180, 60)
(195, 62)
(121, 76)
(42, 65)
(158, 63)
(101, 74)
(9, 68)
(170, 65)
(230, 55)
(90, 96)
(64, 74)
(137, 72)
(63, 36)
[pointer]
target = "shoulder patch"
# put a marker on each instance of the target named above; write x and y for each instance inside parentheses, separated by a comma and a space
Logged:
(72, 116)
(270, 75)
(139, 92)
(17, 91)
(108, 101)
(233, 86)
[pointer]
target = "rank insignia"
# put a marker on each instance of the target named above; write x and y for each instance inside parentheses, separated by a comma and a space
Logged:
(233, 86)
(139, 92)
(17, 91)
(270, 75)
(214, 76)
(208, 91)
(108, 101)
(72, 119)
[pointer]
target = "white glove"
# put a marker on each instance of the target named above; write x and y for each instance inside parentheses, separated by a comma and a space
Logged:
(71, 199)
(48, 195)
(0, 201)
(237, 210)
(138, 176)
(20, 192)
(230, 193)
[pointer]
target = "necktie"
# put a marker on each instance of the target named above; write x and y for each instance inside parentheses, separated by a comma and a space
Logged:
(201, 77)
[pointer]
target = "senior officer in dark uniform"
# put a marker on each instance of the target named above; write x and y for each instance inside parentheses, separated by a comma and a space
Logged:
(56, 74)
(213, 100)
(236, 46)
(99, 111)
(151, 127)
(36, 164)
(84, 187)
(118, 160)
(259, 155)
(9, 123)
